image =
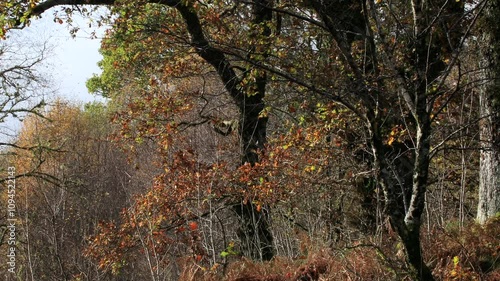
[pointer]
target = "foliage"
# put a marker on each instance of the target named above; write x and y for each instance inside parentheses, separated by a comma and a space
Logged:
(286, 126)
(70, 167)
(470, 253)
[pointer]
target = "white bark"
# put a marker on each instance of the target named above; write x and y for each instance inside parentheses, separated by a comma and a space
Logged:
(489, 168)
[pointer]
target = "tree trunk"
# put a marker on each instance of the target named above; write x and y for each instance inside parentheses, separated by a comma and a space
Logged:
(254, 232)
(405, 218)
(411, 241)
(410, 231)
(404, 186)
(489, 100)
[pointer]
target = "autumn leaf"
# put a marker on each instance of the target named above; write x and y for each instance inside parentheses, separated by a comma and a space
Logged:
(193, 225)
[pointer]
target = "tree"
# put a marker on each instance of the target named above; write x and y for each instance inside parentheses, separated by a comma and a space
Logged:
(248, 98)
(21, 83)
(75, 166)
(402, 173)
(489, 176)
(22, 91)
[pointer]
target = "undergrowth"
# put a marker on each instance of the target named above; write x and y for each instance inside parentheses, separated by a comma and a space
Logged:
(467, 253)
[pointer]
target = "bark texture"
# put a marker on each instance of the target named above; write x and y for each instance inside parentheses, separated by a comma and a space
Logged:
(489, 176)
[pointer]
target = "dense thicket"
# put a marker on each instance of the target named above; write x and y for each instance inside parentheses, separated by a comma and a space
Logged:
(327, 134)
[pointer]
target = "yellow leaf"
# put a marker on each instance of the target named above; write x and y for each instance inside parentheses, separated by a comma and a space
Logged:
(390, 141)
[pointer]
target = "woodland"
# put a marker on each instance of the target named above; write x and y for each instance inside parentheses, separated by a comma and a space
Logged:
(257, 140)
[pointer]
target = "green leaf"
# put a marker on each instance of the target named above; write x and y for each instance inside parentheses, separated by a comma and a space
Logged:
(224, 254)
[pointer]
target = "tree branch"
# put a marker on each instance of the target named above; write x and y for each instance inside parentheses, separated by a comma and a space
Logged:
(46, 5)
(211, 55)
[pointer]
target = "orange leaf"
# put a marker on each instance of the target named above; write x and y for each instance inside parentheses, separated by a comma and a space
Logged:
(193, 225)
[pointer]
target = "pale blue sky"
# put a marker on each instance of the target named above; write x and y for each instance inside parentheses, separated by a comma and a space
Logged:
(74, 60)
(70, 63)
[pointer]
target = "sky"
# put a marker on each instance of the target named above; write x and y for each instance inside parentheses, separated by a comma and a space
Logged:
(71, 61)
